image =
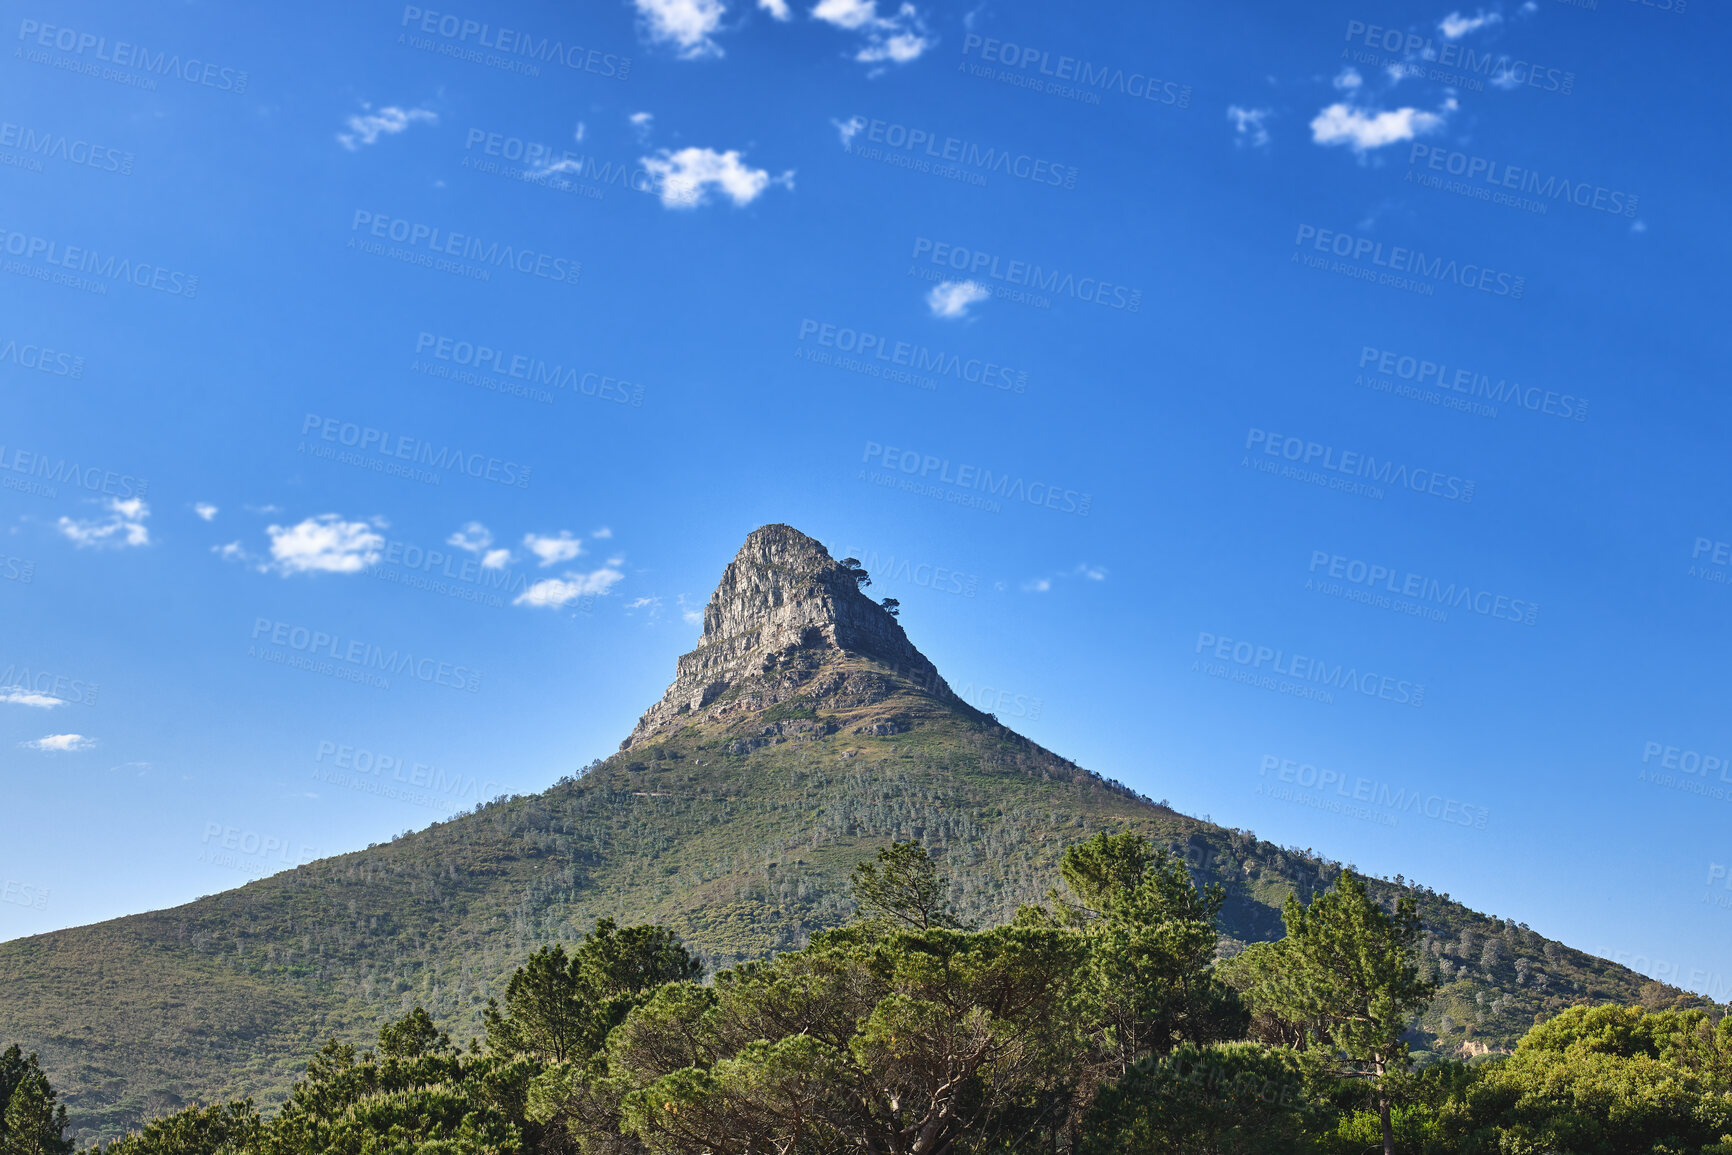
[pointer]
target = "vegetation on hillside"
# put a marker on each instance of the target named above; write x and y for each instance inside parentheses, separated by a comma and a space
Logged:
(739, 835)
(1095, 1022)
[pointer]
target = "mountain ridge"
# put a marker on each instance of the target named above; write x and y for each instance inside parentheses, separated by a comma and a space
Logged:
(803, 732)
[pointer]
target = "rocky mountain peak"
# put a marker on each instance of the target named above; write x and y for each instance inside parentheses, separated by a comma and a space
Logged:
(783, 606)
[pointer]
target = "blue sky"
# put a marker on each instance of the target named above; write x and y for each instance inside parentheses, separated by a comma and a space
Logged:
(1306, 414)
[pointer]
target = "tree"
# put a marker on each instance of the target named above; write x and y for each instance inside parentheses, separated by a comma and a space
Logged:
(1345, 983)
(1603, 1081)
(1224, 1099)
(30, 1121)
(891, 606)
(852, 568)
(1149, 983)
(560, 1008)
(412, 1036)
(915, 1042)
(903, 889)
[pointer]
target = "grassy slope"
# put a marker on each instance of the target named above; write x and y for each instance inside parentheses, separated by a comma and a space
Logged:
(740, 835)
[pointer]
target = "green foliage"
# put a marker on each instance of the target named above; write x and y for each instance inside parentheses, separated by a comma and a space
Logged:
(869, 1039)
(1222, 1099)
(559, 1009)
(1606, 1081)
(1345, 982)
(31, 1123)
(743, 855)
(1151, 935)
(903, 889)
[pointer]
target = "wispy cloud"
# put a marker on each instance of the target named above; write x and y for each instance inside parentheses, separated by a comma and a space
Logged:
(1455, 25)
(848, 130)
(205, 510)
(366, 127)
(1082, 570)
(123, 526)
(1248, 128)
(553, 549)
(475, 538)
(553, 593)
(951, 299)
(60, 743)
(894, 39)
(24, 696)
(686, 177)
(688, 25)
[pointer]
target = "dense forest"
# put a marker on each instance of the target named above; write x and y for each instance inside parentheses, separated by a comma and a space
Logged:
(1102, 1019)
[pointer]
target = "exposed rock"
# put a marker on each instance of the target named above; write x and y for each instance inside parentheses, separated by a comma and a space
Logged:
(785, 609)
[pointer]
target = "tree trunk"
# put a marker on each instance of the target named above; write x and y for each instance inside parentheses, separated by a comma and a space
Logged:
(1383, 1115)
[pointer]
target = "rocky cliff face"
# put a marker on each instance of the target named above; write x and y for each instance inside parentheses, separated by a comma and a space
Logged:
(785, 609)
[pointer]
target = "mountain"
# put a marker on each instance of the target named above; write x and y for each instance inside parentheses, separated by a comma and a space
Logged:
(804, 732)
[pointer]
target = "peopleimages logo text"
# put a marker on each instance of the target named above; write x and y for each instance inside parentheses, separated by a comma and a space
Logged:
(1361, 789)
(1582, 194)
(125, 55)
(1500, 69)
(50, 146)
(1255, 658)
(976, 263)
(1421, 371)
(81, 259)
(402, 447)
(1352, 463)
(919, 358)
(973, 477)
(1101, 77)
(365, 655)
(1411, 262)
(958, 151)
(91, 478)
(433, 239)
(460, 30)
(1373, 576)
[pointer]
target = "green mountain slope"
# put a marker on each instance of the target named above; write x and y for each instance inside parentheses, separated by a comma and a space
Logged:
(804, 733)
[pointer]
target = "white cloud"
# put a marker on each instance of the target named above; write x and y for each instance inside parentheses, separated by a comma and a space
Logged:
(368, 127)
(776, 8)
(324, 544)
(686, 24)
(60, 743)
(694, 617)
(1081, 570)
(1348, 79)
(951, 299)
(604, 532)
(686, 176)
(205, 510)
(553, 550)
(1248, 125)
(1455, 25)
(123, 526)
(1363, 131)
(848, 130)
(580, 132)
(473, 537)
(23, 696)
(496, 559)
(897, 39)
(554, 593)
